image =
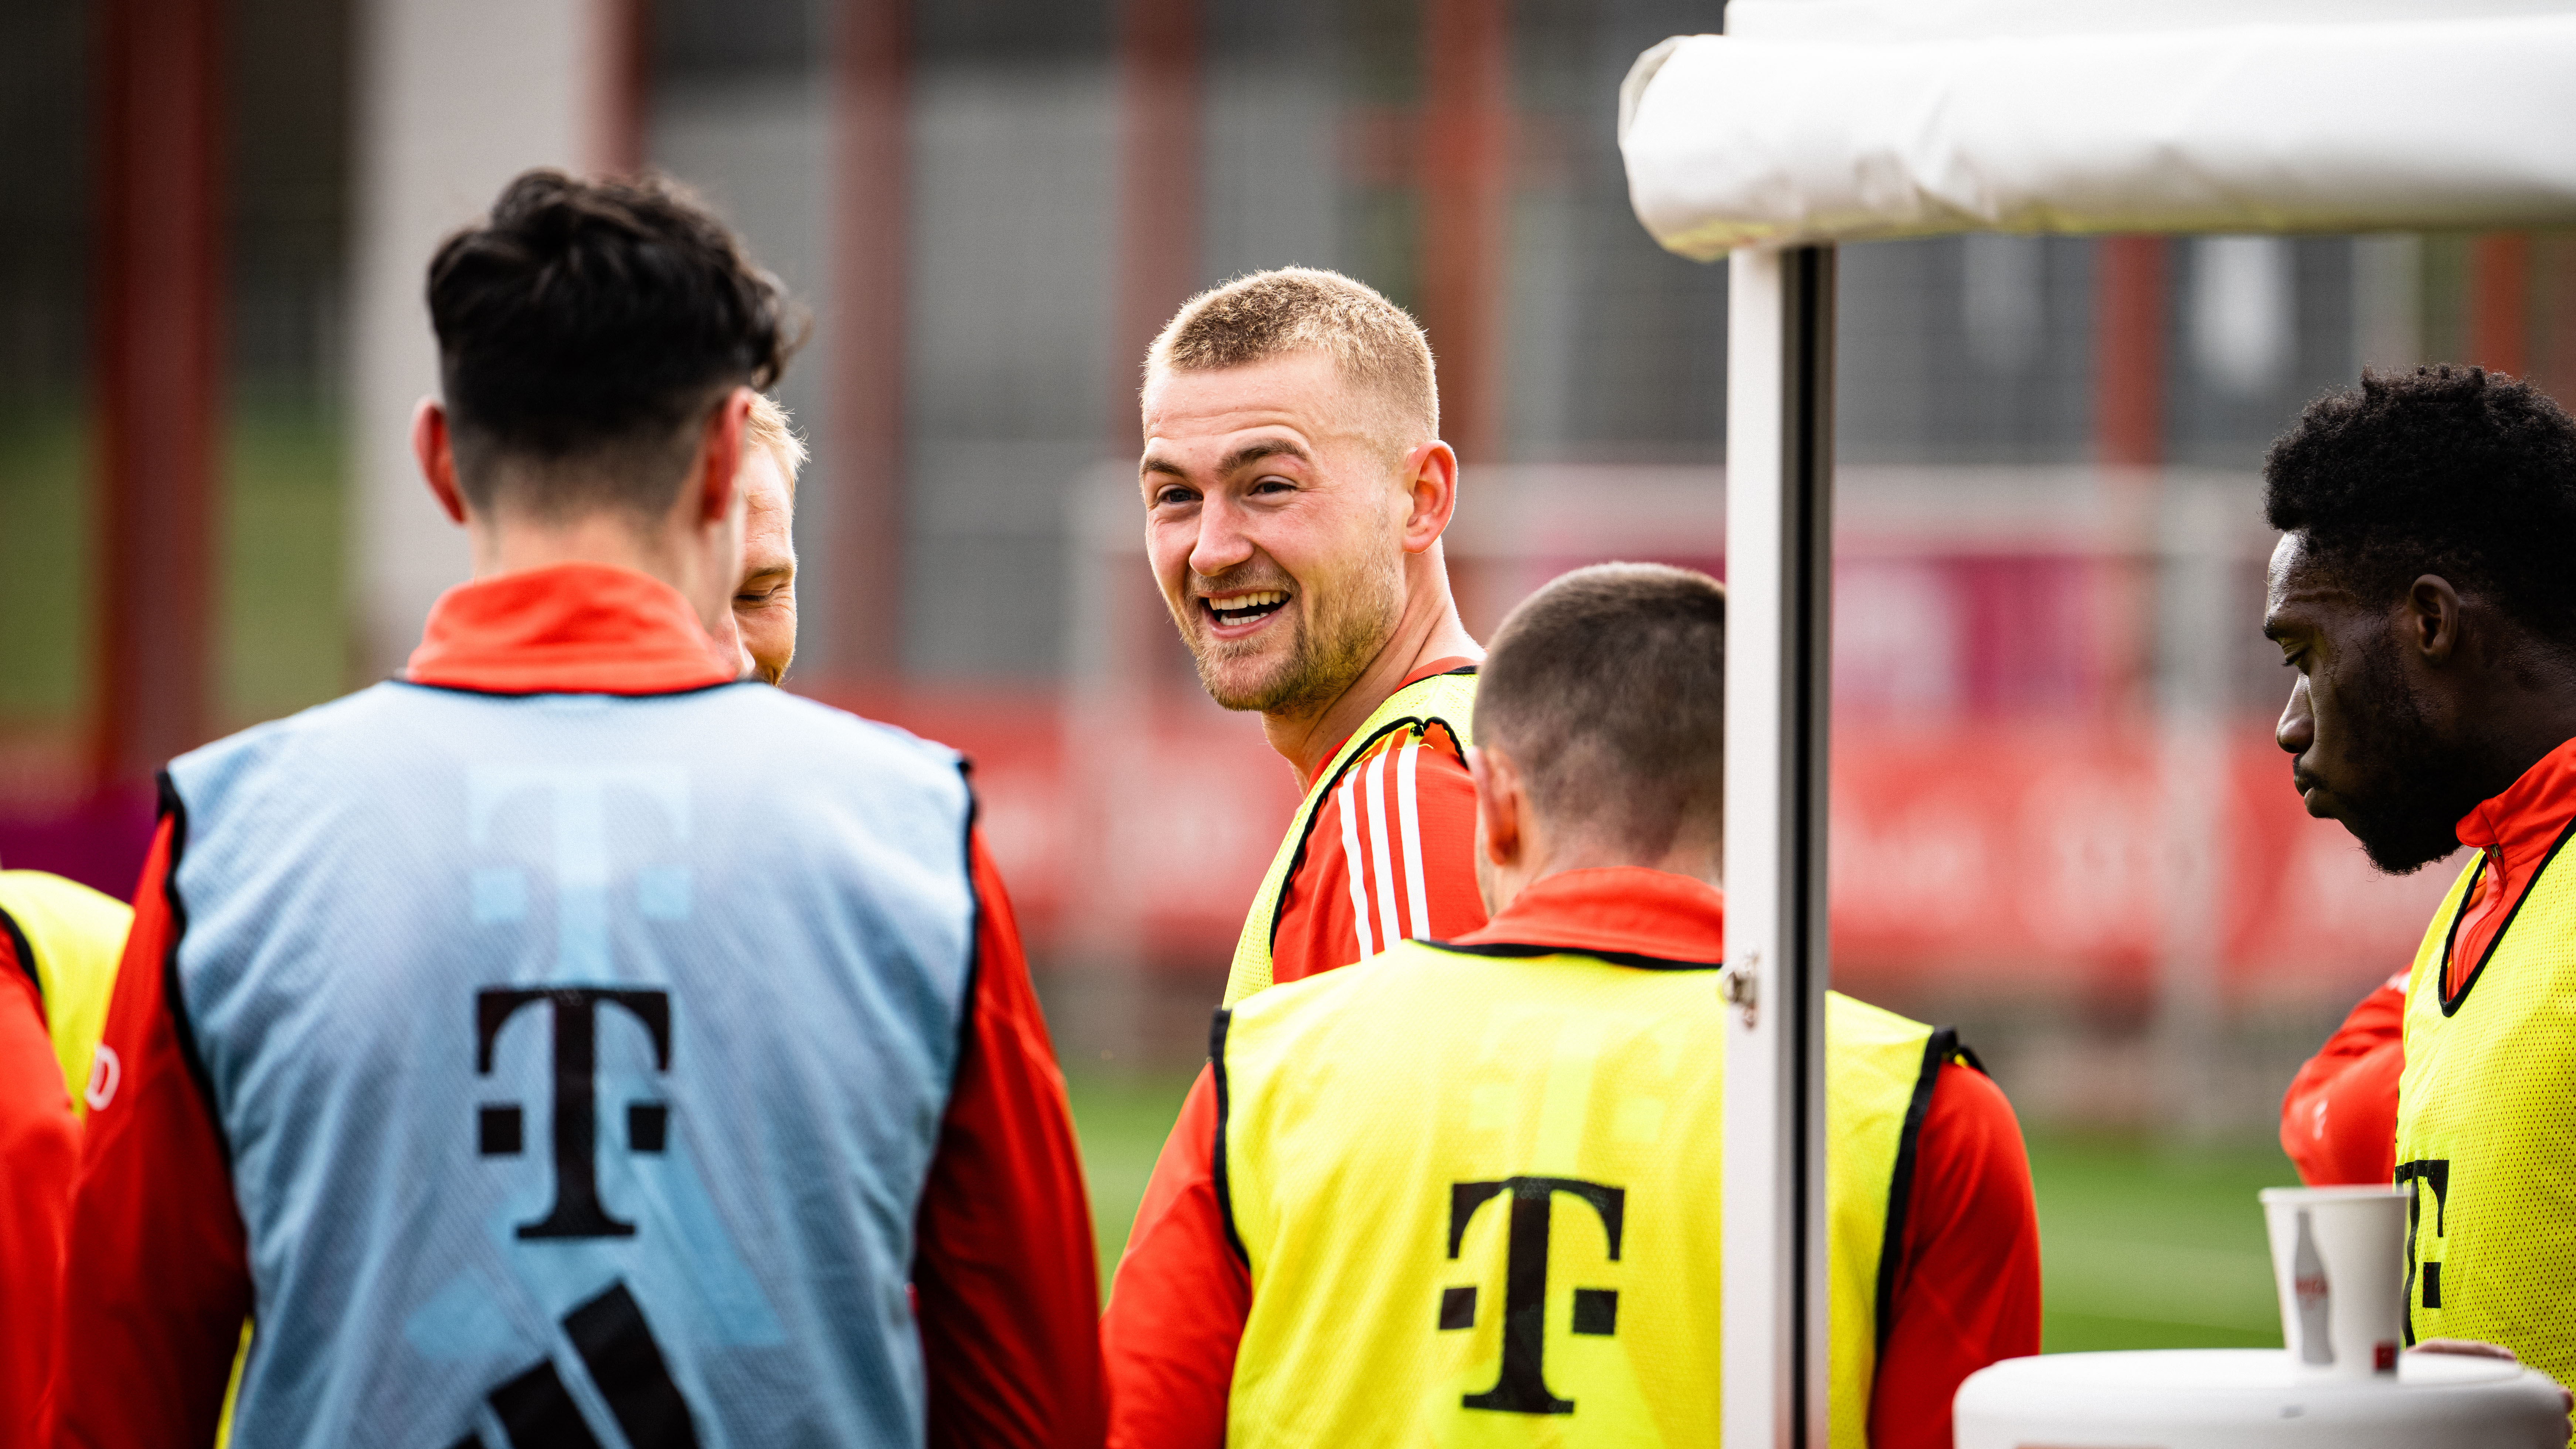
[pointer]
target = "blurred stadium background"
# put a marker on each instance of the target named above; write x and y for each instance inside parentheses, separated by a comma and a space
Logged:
(2059, 820)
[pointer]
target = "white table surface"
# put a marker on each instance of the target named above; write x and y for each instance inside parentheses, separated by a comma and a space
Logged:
(2242, 1398)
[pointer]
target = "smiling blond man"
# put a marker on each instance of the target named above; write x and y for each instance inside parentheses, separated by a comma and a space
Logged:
(1295, 490)
(763, 617)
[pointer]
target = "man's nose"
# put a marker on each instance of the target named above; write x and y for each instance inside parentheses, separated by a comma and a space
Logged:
(2298, 727)
(1221, 542)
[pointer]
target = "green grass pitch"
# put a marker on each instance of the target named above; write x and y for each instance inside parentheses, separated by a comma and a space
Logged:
(2141, 1245)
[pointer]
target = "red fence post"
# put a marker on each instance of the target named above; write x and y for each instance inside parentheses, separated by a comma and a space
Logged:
(871, 261)
(157, 362)
(1466, 211)
(2500, 303)
(1161, 114)
(2129, 350)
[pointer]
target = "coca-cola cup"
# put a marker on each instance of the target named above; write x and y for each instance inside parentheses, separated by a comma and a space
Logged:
(2339, 1264)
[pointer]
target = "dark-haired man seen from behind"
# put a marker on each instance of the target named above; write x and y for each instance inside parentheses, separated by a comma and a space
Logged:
(566, 1044)
(1474, 1182)
(2422, 592)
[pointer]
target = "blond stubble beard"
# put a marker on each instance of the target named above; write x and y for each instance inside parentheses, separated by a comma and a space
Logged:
(1327, 651)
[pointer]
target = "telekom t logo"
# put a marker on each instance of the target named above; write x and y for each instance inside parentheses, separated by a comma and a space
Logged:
(577, 798)
(1522, 1388)
(576, 1212)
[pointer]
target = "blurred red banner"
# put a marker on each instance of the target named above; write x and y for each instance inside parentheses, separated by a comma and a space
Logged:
(1980, 854)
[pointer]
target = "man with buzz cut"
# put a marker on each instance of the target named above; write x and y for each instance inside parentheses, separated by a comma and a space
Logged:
(1474, 1183)
(1295, 488)
(571, 1043)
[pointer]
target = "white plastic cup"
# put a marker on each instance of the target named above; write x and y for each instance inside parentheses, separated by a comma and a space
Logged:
(2339, 1265)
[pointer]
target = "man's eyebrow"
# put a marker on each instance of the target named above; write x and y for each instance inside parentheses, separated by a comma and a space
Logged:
(1249, 453)
(1265, 448)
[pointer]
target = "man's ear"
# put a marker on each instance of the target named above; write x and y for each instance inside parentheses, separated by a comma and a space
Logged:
(1431, 487)
(1498, 802)
(720, 455)
(435, 452)
(2434, 618)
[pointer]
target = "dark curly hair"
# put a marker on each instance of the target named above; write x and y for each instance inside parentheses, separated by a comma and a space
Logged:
(585, 327)
(2459, 472)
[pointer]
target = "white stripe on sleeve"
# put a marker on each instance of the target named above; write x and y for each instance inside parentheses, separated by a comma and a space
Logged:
(1410, 816)
(1353, 864)
(1391, 929)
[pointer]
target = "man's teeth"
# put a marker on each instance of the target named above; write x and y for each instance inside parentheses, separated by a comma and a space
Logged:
(1244, 603)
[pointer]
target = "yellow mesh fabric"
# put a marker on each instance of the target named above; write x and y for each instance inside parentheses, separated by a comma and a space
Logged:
(1375, 1114)
(1874, 1061)
(2486, 1133)
(1448, 700)
(76, 935)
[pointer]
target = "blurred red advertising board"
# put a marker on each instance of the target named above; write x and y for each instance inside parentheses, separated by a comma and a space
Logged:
(1979, 854)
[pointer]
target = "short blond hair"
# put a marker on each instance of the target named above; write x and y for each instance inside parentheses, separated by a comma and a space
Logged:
(1374, 343)
(767, 428)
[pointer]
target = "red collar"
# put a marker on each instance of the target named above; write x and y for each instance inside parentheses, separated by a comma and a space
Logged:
(1614, 911)
(2517, 828)
(2515, 832)
(572, 628)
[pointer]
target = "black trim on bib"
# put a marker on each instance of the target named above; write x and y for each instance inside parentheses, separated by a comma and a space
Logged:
(1306, 829)
(1938, 1051)
(1216, 1155)
(26, 954)
(2452, 1004)
(175, 810)
(1615, 958)
(974, 931)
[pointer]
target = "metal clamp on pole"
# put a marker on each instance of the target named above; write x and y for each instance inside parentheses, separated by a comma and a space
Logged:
(1779, 559)
(1739, 985)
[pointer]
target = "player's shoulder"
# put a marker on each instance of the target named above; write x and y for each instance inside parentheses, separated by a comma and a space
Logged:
(840, 732)
(1420, 754)
(760, 730)
(216, 768)
(1313, 1000)
(1448, 696)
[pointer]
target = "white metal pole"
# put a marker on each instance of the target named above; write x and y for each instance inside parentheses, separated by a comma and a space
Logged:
(454, 97)
(1779, 562)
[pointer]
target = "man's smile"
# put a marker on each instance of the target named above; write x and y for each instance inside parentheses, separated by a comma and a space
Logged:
(1237, 614)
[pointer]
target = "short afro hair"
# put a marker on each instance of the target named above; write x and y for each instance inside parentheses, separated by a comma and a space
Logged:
(585, 327)
(1608, 689)
(2454, 471)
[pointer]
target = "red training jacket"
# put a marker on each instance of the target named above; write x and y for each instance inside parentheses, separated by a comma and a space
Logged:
(39, 1149)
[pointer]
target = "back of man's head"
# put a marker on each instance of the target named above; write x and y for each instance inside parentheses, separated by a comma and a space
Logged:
(585, 331)
(1376, 346)
(1607, 688)
(2458, 472)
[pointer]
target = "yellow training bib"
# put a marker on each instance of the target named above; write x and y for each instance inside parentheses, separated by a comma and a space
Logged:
(2486, 1130)
(1447, 700)
(1478, 1194)
(70, 937)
